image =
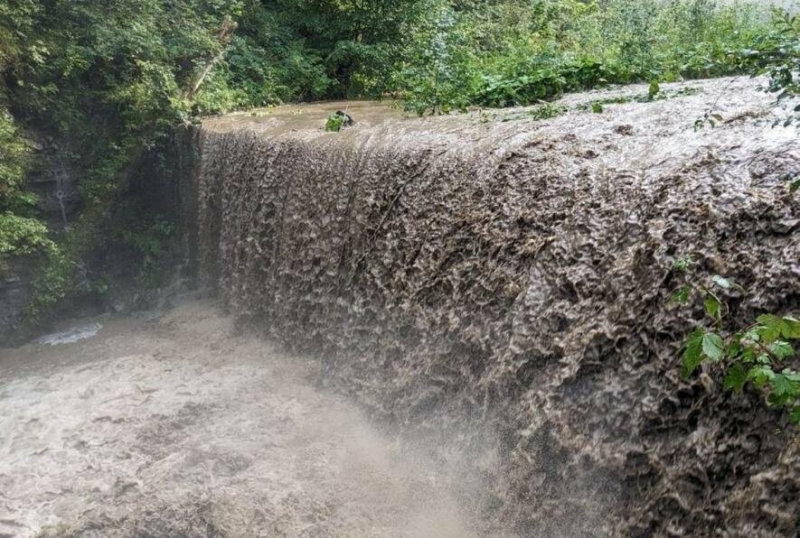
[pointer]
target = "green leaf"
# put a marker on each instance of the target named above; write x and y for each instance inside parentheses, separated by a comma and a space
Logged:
(735, 347)
(790, 328)
(748, 355)
(781, 350)
(764, 359)
(760, 375)
(693, 354)
(794, 416)
(722, 282)
(768, 319)
(736, 378)
(681, 296)
(791, 375)
(782, 387)
(752, 335)
(713, 347)
(771, 327)
(682, 264)
(655, 88)
(712, 307)
(334, 123)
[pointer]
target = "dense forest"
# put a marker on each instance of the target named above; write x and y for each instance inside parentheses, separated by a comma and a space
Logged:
(112, 79)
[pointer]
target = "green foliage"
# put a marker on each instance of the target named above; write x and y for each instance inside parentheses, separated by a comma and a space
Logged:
(14, 160)
(112, 80)
(147, 235)
(757, 354)
(51, 285)
(507, 53)
(782, 58)
(334, 123)
(653, 91)
(440, 55)
(438, 76)
(20, 236)
(546, 111)
(21, 233)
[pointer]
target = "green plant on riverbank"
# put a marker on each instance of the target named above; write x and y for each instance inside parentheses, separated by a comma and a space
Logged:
(510, 53)
(783, 62)
(22, 236)
(21, 232)
(758, 354)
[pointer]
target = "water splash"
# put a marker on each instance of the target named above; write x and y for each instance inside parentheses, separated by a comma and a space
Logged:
(70, 336)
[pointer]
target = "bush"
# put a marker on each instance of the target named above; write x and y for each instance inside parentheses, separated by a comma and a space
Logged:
(757, 354)
(514, 53)
(14, 159)
(20, 236)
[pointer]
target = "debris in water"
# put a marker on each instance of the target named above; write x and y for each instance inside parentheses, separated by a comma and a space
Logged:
(338, 121)
(71, 336)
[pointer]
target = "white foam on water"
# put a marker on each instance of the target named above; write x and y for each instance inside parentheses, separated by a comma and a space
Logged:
(70, 336)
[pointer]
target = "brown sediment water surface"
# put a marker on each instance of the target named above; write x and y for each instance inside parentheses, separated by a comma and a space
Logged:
(513, 268)
(175, 426)
(449, 326)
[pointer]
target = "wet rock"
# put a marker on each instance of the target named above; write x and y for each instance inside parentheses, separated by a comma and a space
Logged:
(626, 130)
(785, 226)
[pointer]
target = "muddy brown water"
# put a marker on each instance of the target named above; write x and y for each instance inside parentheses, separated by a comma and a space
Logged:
(518, 269)
(500, 279)
(177, 426)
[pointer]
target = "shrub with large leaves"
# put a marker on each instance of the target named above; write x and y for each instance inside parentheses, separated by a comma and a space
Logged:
(759, 354)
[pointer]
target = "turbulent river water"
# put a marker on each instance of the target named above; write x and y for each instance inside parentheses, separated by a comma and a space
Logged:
(514, 267)
(178, 426)
(491, 289)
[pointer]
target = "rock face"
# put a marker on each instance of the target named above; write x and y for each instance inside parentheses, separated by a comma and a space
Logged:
(15, 292)
(494, 266)
(55, 186)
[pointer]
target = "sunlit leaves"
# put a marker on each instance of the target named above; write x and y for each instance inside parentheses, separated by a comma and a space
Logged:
(790, 327)
(712, 306)
(760, 375)
(781, 350)
(773, 327)
(713, 347)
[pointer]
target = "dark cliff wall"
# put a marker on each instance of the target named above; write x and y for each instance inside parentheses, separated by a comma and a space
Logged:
(54, 182)
(517, 274)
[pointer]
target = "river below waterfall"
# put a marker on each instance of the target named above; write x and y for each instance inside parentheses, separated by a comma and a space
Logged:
(489, 296)
(178, 426)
